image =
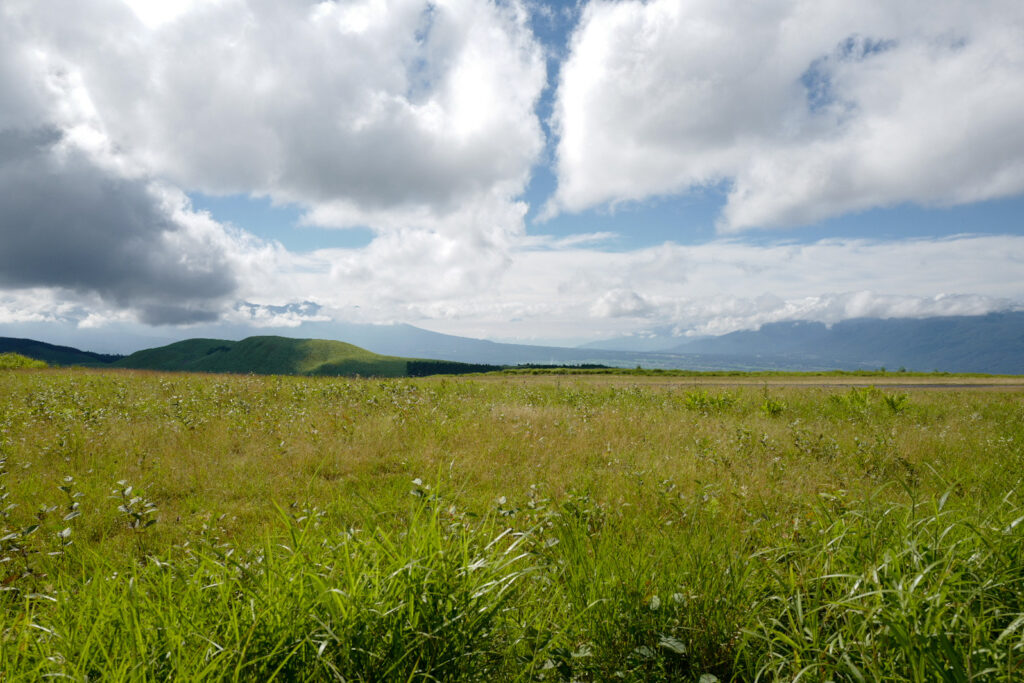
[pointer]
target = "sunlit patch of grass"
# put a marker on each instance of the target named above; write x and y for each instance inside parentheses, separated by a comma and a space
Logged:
(546, 590)
(16, 361)
(893, 592)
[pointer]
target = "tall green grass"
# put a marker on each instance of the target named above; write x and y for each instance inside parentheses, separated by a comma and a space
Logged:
(568, 591)
(177, 528)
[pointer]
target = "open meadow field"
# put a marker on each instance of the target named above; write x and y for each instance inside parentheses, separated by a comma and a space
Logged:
(158, 526)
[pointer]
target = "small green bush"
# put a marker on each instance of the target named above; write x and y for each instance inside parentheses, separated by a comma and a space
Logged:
(705, 402)
(897, 403)
(772, 407)
(16, 361)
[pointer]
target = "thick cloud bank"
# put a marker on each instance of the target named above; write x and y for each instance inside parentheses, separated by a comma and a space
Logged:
(804, 110)
(413, 117)
(363, 109)
(65, 222)
(78, 219)
(418, 119)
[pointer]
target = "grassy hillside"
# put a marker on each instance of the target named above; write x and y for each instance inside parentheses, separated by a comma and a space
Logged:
(16, 361)
(53, 354)
(285, 356)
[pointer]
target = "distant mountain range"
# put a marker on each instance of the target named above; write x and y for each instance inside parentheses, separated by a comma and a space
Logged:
(991, 343)
(54, 354)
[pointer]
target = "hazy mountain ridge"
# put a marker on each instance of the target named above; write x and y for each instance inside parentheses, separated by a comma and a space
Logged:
(454, 355)
(53, 353)
(985, 343)
(992, 343)
(988, 343)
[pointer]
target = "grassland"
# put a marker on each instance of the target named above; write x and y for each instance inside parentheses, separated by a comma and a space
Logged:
(177, 527)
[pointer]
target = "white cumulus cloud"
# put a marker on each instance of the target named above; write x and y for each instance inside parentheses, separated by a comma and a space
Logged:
(362, 111)
(418, 119)
(413, 117)
(803, 110)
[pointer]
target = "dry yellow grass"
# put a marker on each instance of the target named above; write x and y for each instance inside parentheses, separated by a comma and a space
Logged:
(203, 446)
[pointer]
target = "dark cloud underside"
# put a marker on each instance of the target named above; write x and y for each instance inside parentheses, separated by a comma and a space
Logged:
(65, 222)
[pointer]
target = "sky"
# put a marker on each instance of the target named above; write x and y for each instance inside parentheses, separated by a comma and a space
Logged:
(519, 170)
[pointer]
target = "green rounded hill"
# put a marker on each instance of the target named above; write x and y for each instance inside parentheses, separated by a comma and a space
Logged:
(271, 355)
(16, 361)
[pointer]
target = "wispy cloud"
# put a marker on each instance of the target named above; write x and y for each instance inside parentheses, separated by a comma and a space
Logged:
(577, 291)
